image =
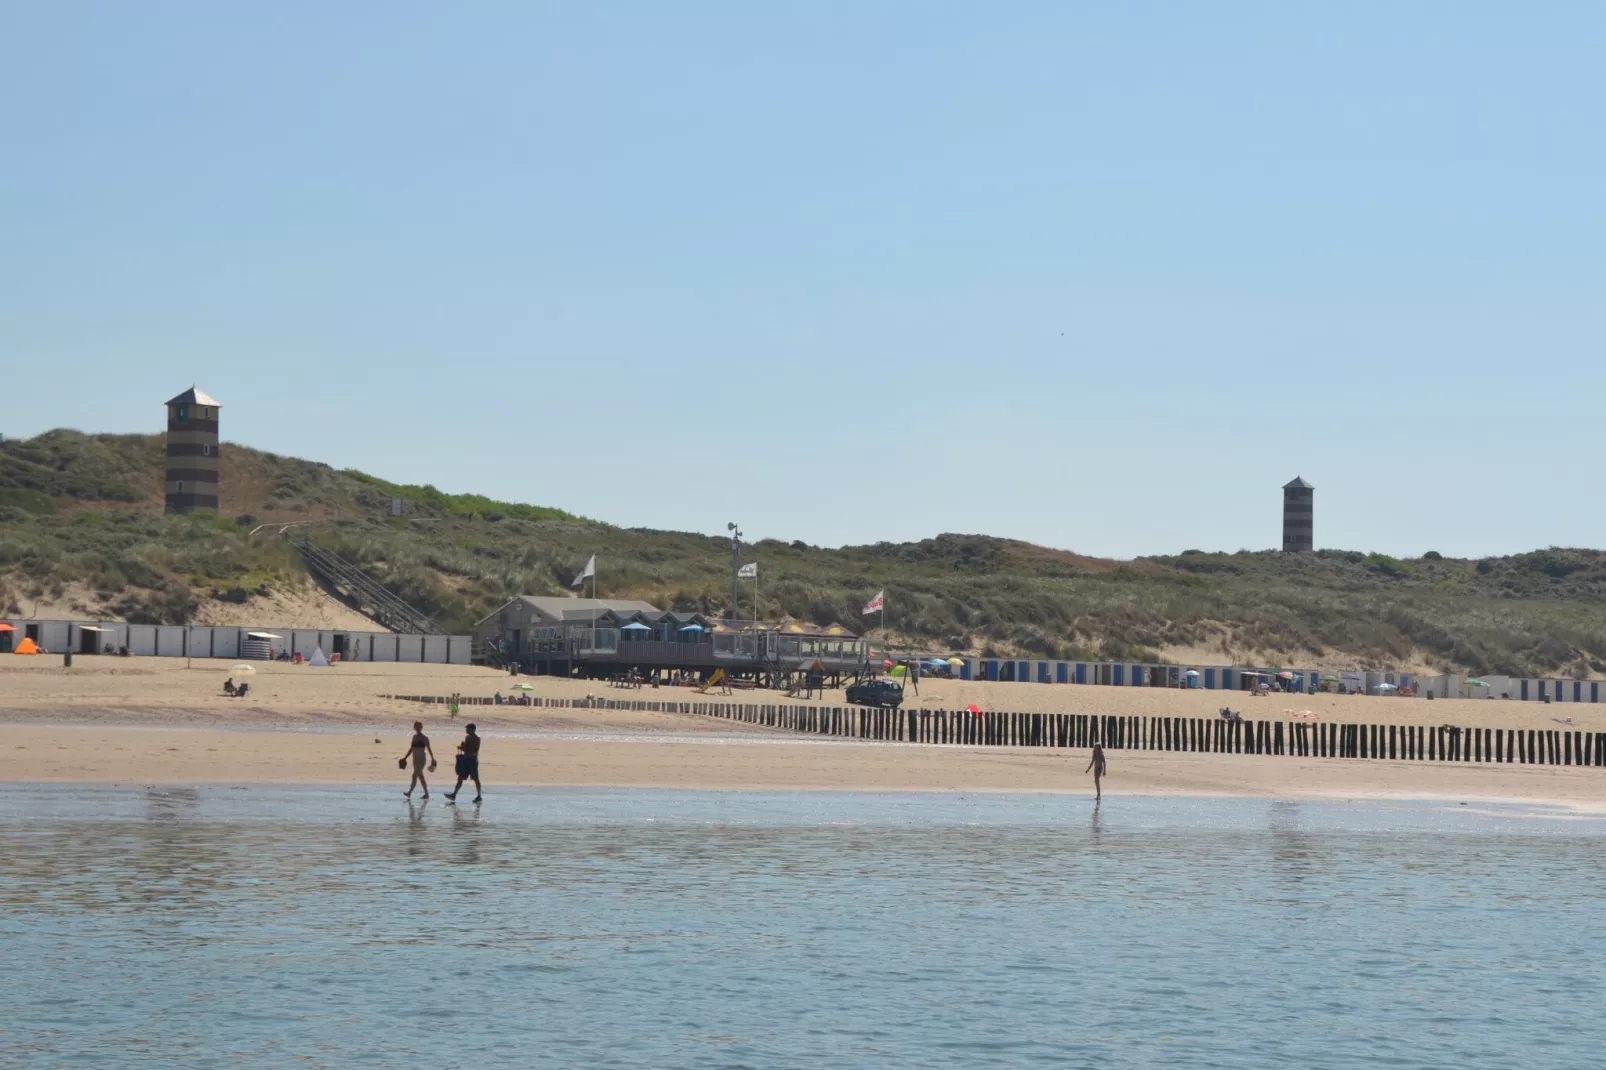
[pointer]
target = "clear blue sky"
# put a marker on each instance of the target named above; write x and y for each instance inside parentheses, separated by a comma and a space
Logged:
(1101, 276)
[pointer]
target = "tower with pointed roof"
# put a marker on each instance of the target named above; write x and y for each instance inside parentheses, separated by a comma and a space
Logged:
(192, 452)
(1298, 532)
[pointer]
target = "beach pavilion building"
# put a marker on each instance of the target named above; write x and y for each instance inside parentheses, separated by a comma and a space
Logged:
(612, 637)
(559, 635)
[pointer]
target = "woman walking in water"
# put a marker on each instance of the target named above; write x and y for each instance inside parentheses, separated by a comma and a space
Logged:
(419, 749)
(1096, 764)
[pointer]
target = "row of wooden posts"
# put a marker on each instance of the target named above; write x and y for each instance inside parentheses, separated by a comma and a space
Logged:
(1303, 739)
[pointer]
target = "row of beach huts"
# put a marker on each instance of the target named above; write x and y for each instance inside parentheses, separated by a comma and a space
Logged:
(115, 638)
(209, 641)
(1297, 681)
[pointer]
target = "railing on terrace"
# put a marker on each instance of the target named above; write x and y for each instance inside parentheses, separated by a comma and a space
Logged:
(595, 641)
(655, 652)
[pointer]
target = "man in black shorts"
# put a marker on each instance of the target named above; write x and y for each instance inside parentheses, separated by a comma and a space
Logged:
(468, 763)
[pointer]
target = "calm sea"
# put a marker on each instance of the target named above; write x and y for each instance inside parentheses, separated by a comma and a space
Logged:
(338, 928)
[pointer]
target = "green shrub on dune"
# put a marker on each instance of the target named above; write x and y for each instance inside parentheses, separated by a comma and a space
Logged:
(85, 510)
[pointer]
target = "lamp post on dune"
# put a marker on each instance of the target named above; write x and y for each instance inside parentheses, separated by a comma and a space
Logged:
(736, 565)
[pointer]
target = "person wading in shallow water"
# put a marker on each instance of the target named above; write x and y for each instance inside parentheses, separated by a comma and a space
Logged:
(420, 750)
(1096, 764)
(468, 763)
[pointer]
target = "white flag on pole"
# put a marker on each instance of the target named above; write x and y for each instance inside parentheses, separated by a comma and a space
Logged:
(587, 573)
(875, 605)
(748, 571)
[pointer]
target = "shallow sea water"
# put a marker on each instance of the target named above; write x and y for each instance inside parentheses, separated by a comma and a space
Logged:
(332, 928)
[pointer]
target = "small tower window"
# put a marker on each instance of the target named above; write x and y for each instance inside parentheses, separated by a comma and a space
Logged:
(183, 414)
(181, 486)
(206, 451)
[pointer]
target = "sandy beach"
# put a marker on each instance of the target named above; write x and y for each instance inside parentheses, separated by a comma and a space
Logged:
(158, 721)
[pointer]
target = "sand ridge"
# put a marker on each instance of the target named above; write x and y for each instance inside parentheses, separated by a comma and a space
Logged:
(154, 688)
(158, 720)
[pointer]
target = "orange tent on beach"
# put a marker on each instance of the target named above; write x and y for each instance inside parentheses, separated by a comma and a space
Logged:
(27, 646)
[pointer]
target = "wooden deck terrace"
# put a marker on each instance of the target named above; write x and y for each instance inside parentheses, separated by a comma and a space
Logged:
(651, 654)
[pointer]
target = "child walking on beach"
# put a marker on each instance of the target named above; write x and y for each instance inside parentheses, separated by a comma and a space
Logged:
(419, 749)
(1096, 764)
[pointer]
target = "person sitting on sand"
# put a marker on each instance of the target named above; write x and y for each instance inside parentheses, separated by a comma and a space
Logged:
(419, 748)
(228, 687)
(239, 692)
(1096, 764)
(468, 764)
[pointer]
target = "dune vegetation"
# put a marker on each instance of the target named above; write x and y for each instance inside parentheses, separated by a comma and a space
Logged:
(82, 513)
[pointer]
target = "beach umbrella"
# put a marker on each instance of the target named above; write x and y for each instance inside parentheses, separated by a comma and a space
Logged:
(899, 671)
(887, 664)
(1329, 676)
(1384, 687)
(524, 687)
(243, 670)
(1476, 683)
(1285, 675)
(941, 663)
(1191, 672)
(974, 711)
(635, 626)
(692, 628)
(956, 663)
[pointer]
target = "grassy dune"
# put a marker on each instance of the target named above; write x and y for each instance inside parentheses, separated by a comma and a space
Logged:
(83, 512)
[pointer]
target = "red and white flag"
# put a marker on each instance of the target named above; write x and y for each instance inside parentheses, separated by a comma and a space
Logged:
(876, 604)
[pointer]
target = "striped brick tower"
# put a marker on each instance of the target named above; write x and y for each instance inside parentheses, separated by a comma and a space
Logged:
(1298, 516)
(192, 452)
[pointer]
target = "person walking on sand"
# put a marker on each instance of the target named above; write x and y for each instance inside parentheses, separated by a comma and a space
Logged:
(421, 751)
(468, 764)
(1096, 764)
